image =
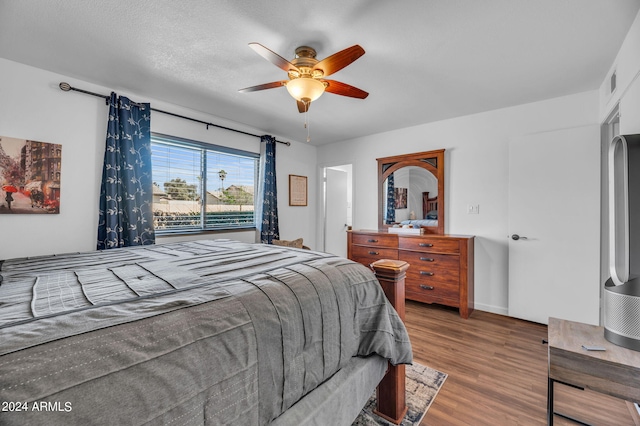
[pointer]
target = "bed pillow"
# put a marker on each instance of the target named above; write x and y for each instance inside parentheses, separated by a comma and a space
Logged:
(293, 243)
(433, 214)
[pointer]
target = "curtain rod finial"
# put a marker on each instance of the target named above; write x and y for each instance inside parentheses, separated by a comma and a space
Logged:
(65, 86)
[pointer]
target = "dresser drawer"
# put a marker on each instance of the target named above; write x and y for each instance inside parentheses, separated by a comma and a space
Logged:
(382, 240)
(425, 291)
(368, 255)
(430, 275)
(438, 245)
(434, 267)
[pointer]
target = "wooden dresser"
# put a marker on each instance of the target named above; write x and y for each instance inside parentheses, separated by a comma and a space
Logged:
(440, 266)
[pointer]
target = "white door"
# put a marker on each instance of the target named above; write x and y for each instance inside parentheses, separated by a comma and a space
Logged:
(335, 237)
(554, 225)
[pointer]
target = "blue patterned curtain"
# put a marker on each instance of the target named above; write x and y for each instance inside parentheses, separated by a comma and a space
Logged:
(391, 200)
(126, 215)
(269, 229)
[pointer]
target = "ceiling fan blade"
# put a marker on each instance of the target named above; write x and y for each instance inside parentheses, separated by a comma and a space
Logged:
(337, 61)
(343, 89)
(303, 107)
(273, 57)
(271, 85)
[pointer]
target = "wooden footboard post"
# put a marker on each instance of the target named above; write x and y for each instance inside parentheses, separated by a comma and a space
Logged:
(391, 396)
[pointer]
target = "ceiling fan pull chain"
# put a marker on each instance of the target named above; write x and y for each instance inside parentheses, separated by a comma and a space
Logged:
(306, 123)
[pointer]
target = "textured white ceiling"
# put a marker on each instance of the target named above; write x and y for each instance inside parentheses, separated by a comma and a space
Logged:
(425, 60)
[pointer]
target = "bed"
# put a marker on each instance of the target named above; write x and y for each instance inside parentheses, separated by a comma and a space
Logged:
(429, 213)
(205, 332)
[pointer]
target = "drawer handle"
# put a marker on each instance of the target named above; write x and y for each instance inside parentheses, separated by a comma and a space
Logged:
(372, 241)
(427, 259)
(374, 252)
(430, 274)
(426, 287)
(425, 245)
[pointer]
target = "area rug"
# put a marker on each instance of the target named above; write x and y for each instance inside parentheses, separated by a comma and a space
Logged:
(422, 384)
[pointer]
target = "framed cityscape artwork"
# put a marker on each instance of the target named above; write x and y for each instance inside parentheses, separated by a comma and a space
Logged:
(29, 176)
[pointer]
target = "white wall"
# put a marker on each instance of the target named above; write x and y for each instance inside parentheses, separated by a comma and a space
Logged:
(34, 108)
(477, 172)
(297, 221)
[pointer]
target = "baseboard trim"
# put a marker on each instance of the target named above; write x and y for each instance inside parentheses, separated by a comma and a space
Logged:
(493, 309)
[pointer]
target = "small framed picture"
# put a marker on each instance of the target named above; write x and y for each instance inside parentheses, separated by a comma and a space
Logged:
(297, 190)
(400, 196)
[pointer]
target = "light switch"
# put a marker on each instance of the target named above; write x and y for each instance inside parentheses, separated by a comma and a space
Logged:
(473, 209)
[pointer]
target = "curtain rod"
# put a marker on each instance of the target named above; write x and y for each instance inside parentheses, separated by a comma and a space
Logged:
(67, 87)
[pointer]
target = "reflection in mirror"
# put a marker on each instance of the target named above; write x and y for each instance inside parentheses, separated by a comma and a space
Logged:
(411, 191)
(411, 197)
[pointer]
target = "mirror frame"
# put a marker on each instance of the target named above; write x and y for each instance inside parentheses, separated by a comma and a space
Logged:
(425, 160)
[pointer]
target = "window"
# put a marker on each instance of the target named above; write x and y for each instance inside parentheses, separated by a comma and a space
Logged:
(199, 186)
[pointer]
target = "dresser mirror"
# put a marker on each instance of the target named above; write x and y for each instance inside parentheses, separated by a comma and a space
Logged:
(411, 191)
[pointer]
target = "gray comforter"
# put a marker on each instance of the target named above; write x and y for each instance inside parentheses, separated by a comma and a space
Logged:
(208, 332)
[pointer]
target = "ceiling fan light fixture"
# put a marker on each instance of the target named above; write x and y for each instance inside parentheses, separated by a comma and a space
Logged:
(305, 88)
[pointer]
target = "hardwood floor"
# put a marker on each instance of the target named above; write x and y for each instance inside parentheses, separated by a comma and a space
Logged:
(497, 369)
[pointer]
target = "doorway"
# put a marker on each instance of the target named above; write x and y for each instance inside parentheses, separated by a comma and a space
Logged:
(337, 207)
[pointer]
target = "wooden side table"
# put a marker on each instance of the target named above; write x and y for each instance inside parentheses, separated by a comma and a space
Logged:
(614, 371)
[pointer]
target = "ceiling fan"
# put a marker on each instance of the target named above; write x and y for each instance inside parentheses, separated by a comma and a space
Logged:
(307, 75)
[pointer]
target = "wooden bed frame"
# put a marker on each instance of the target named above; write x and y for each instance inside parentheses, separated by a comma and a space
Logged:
(390, 394)
(428, 204)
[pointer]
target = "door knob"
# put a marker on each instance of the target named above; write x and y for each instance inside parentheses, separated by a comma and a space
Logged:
(517, 237)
